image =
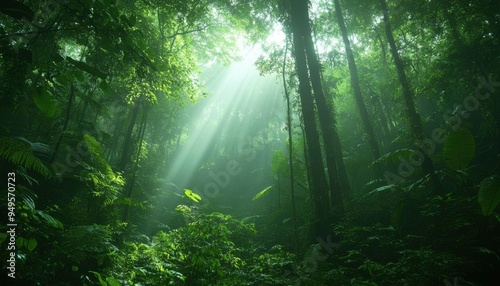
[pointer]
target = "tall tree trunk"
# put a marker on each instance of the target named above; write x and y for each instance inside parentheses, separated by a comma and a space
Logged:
(290, 149)
(325, 115)
(355, 84)
(319, 183)
(408, 94)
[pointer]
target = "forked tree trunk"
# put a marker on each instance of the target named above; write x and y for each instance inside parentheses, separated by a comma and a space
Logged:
(339, 184)
(319, 183)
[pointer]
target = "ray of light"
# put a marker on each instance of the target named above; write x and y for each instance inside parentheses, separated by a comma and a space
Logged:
(234, 92)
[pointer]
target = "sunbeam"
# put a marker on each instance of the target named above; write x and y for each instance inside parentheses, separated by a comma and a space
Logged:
(238, 97)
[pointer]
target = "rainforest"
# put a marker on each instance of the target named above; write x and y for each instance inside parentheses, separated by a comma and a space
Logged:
(250, 142)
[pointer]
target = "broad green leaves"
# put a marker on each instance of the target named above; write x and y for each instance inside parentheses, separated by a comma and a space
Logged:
(489, 194)
(44, 102)
(29, 243)
(459, 148)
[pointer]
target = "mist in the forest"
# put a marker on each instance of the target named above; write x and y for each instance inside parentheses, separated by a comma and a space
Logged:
(263, 143)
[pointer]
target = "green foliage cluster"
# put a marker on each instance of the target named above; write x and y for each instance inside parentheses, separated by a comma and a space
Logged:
(418, 239)
(19, 152)
(211, 249)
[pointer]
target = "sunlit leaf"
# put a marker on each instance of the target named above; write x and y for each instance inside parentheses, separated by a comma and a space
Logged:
(112, 281)
(261, 193)
(92, 143)
(192, 195)
(386, 188)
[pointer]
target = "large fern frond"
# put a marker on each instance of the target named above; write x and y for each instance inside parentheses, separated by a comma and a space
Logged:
(19, 153)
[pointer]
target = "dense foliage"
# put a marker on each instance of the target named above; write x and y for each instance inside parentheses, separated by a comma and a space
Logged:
(379, 167)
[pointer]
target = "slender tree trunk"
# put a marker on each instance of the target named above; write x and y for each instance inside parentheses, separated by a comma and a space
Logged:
(129, 188)
(319, 183)
(128, 137)
(290, 149)
(355, 84)
(385, 135)
(408, 94)
(339, 159)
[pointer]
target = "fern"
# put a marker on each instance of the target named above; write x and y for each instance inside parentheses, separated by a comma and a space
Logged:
(131, 202)
(85, 241)
(27, 197)
(19, 153)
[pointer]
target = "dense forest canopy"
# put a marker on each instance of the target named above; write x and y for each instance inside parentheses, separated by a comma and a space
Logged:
(217, 142)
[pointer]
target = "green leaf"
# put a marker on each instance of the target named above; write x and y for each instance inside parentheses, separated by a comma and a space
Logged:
(112, 281)
(384, 189)
(99, 277)
(44, 102)
(85, 67)
(192, 195)
(489, 194)
(20, 241)
(261, 193)
(31, 244)
(459, 148)
(93, 145)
